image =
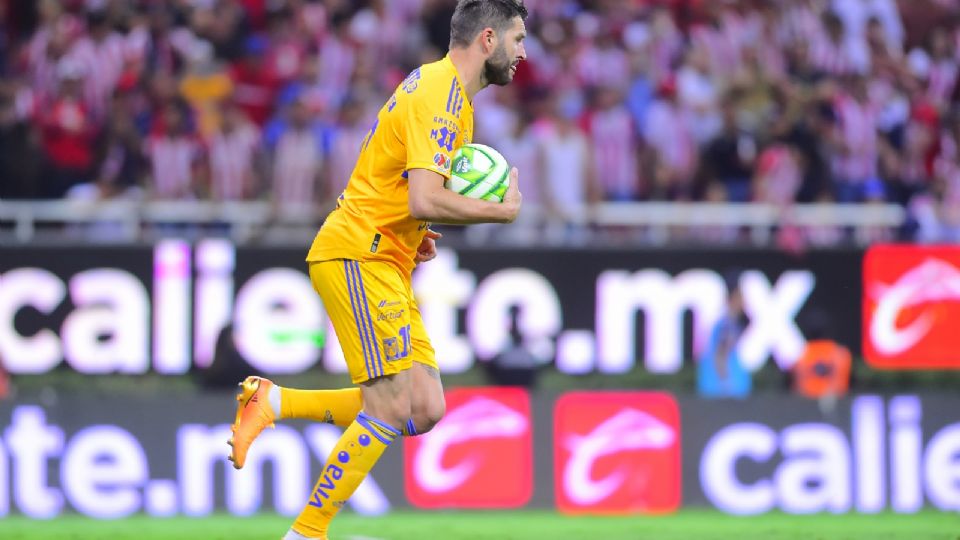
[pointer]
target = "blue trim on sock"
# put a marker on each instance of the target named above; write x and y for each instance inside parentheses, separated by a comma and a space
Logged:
(368, 421)
(411, 429)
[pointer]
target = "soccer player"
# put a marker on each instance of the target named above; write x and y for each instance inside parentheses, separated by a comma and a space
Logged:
(363, 256)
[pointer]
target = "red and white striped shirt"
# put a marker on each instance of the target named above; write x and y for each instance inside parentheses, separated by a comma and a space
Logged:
(171, 162)
(668, 131)
(337, 59)
(778, 176)
(343, 154)
(603, 66)
(799, 22)
(722, 48)
(297, 160)
(942, 80)
(946, 165)
(42, 68)
(231, 157)
(520, 151)
(857, 124)
(614, 145)
(830, 57)
(103, 62)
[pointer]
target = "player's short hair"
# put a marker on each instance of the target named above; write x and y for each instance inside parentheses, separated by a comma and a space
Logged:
(472, 16)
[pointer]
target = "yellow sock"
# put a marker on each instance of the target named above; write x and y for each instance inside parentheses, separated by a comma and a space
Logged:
(357, 451)
(338, 407)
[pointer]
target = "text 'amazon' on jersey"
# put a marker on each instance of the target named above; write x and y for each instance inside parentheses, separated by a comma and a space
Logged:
(420, 127)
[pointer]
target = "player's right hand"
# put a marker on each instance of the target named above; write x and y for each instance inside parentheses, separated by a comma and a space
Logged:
(512, 199)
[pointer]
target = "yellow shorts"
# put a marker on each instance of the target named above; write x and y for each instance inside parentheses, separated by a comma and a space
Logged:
(374, 315)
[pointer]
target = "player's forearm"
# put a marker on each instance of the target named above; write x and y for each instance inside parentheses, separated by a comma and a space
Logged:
(443, 206)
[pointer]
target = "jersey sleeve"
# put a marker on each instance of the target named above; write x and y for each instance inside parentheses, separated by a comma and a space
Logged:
(431, 133)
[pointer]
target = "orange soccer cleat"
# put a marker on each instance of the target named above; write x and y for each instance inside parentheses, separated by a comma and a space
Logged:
(254, 413)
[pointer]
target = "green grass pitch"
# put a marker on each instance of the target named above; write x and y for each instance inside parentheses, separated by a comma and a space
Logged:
(520, 525)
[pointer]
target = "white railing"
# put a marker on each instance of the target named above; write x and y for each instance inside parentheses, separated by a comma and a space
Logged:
(26, 221)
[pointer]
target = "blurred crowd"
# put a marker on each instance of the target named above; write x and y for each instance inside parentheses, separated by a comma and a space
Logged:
(774, 101)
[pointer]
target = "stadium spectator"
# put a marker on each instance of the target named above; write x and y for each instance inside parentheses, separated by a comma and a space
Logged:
(833, 52)
(175, 156)
(698, 95)
(567, 170)
(515, 365)
(730, 157)
(235, 157)
(204, 85)
(68, 132)
(101, 51)
(337, 59)
(346, 136)
(936, 213)
(120, 165)
(157, 37)
(254, 89)
(520, 149)
(856, 157)
(310, 86)
(613, 147)
(286, 48)
(777, 177)
(720, 371)
(673, 152)
(19, 154)
(298, 145)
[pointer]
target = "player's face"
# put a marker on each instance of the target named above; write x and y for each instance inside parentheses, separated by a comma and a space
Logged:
(500, 68)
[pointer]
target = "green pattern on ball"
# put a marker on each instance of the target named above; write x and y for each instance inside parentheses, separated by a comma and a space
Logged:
(471, 176)
(499, 188)
(471, 173)
(464, 170)
(466, 152)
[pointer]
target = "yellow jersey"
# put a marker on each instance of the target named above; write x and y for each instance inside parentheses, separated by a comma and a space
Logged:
(424, 122)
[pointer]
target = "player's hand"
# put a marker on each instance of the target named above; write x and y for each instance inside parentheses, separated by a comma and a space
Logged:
(512, 199)
(428, 247)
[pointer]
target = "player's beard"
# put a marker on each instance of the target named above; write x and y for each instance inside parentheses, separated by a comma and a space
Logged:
(496, 69)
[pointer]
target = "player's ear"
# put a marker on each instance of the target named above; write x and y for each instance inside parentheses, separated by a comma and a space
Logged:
(489, 39)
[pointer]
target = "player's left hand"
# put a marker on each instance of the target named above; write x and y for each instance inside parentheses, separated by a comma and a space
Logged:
(428, 247)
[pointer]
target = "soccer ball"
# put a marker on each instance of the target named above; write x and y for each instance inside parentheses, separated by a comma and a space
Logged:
(479, 172)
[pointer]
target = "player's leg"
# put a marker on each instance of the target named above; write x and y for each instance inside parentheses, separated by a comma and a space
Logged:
(387, 405)
(274, 402)
(427, 405)
(381, 365)
(261, 402)
(427, 402)
(337, 407)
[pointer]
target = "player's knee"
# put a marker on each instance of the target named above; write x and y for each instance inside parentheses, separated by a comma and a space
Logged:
(394, 411)
(427, 415)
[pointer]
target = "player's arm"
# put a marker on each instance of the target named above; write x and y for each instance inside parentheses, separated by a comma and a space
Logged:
(428, 133)
(430, 201)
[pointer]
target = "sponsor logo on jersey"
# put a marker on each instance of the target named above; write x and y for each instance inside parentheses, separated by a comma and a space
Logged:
(445, 138)
(411, 82)
(442, 161)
